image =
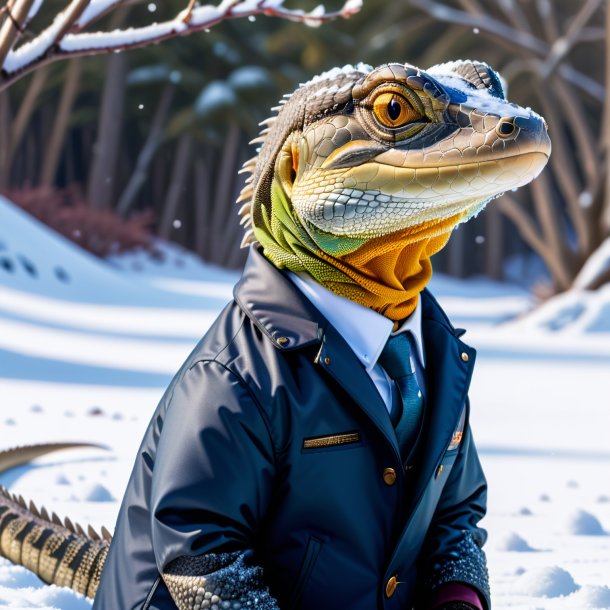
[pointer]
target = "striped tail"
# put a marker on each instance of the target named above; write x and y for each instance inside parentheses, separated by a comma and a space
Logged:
(58, 553)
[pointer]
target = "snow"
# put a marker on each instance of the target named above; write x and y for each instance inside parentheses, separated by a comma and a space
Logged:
(35, 48)
(249, 77)
(582, 523)
(216, 95)
(88, 359)
(120, 39)
(94, 9)
(575, 313)
(597, 265)
(547, 582)
(511, 541)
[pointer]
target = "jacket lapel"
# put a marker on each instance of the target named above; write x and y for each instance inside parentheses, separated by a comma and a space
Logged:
(340, 362)
(448, 375)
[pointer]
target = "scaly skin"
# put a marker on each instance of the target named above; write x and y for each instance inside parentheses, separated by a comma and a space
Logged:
(58, 553)
(344, 167)
(347, 174)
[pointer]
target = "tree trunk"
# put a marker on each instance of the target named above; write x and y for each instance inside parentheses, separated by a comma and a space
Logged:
(455, 252)
(155, 137)
(101, 185)
(61, 125)
(26, 109)
(223, 200)
(5, 121)
(494, 243)
(202, 206)
(605, 215)
(180, 170)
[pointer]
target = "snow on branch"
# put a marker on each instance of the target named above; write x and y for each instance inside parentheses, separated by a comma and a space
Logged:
(66, 37)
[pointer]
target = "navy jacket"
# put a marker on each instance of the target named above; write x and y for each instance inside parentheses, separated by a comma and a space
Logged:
(273, 440)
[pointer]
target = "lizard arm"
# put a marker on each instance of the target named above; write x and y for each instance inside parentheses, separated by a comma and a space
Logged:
(210, 489)
(452, 551)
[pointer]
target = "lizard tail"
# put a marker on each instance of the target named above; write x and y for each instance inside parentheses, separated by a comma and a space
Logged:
(59, 553)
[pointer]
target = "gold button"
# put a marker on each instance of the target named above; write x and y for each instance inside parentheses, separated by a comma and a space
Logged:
(439, 471)
(464, 356)
(390, 587)
(282, 340)
(389, 476)
(327, 360)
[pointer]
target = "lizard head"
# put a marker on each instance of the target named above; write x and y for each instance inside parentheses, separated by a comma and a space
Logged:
(361, 153)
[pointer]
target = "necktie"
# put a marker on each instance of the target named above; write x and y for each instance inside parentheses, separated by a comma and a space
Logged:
(396, 361)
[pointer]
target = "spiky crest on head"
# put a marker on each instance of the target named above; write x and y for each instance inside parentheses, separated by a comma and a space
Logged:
(323, 93)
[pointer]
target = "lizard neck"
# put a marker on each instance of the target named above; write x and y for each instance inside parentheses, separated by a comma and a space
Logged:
(385, 273)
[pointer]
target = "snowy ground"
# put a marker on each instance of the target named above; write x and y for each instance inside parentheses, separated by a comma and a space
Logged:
(86, 349)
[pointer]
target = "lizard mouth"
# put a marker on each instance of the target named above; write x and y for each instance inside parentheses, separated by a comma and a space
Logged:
(401, 160)
(383, 198)
(453, 182)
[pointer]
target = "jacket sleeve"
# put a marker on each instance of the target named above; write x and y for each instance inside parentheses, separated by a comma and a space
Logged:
(211, 485)
(453, 551)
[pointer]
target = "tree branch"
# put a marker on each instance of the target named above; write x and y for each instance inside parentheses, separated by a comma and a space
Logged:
(563, 45)
(512, 210)
(521, 39)
(13, 26)
(55, 43)
(500, 32)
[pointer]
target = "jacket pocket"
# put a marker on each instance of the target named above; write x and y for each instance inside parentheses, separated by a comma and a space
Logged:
(311, 555)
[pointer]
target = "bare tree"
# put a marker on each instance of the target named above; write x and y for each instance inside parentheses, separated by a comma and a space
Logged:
(567, 219)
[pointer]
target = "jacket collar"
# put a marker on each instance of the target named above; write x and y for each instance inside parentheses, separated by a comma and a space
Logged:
(276, 305)
(272, 301)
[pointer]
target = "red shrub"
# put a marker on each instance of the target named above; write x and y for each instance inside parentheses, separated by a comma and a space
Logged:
(101, 232)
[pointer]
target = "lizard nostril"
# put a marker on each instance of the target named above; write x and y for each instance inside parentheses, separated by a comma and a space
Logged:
(505, 127)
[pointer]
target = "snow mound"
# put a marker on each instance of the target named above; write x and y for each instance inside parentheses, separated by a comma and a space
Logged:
(592, 597)
(582, 523)
(61, 479)
(45, 597)
(94, 492)
(511, 541)
(37, 260)
(16, 576)
(546, 582)
(574, 311)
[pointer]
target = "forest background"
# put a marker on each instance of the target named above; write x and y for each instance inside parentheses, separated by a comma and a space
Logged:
(111, 148)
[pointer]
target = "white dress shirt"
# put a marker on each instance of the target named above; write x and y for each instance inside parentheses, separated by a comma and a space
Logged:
(365, 331)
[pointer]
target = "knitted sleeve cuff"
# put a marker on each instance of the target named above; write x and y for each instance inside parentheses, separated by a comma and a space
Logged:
(453, 592)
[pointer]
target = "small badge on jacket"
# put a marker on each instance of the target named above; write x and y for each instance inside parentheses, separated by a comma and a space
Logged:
(331, 440)
(456, 439)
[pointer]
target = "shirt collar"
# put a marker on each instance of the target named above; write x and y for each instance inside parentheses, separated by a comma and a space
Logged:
(364, 330)
(413, 325)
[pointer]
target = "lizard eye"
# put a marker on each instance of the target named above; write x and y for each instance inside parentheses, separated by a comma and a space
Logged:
(393, 110)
